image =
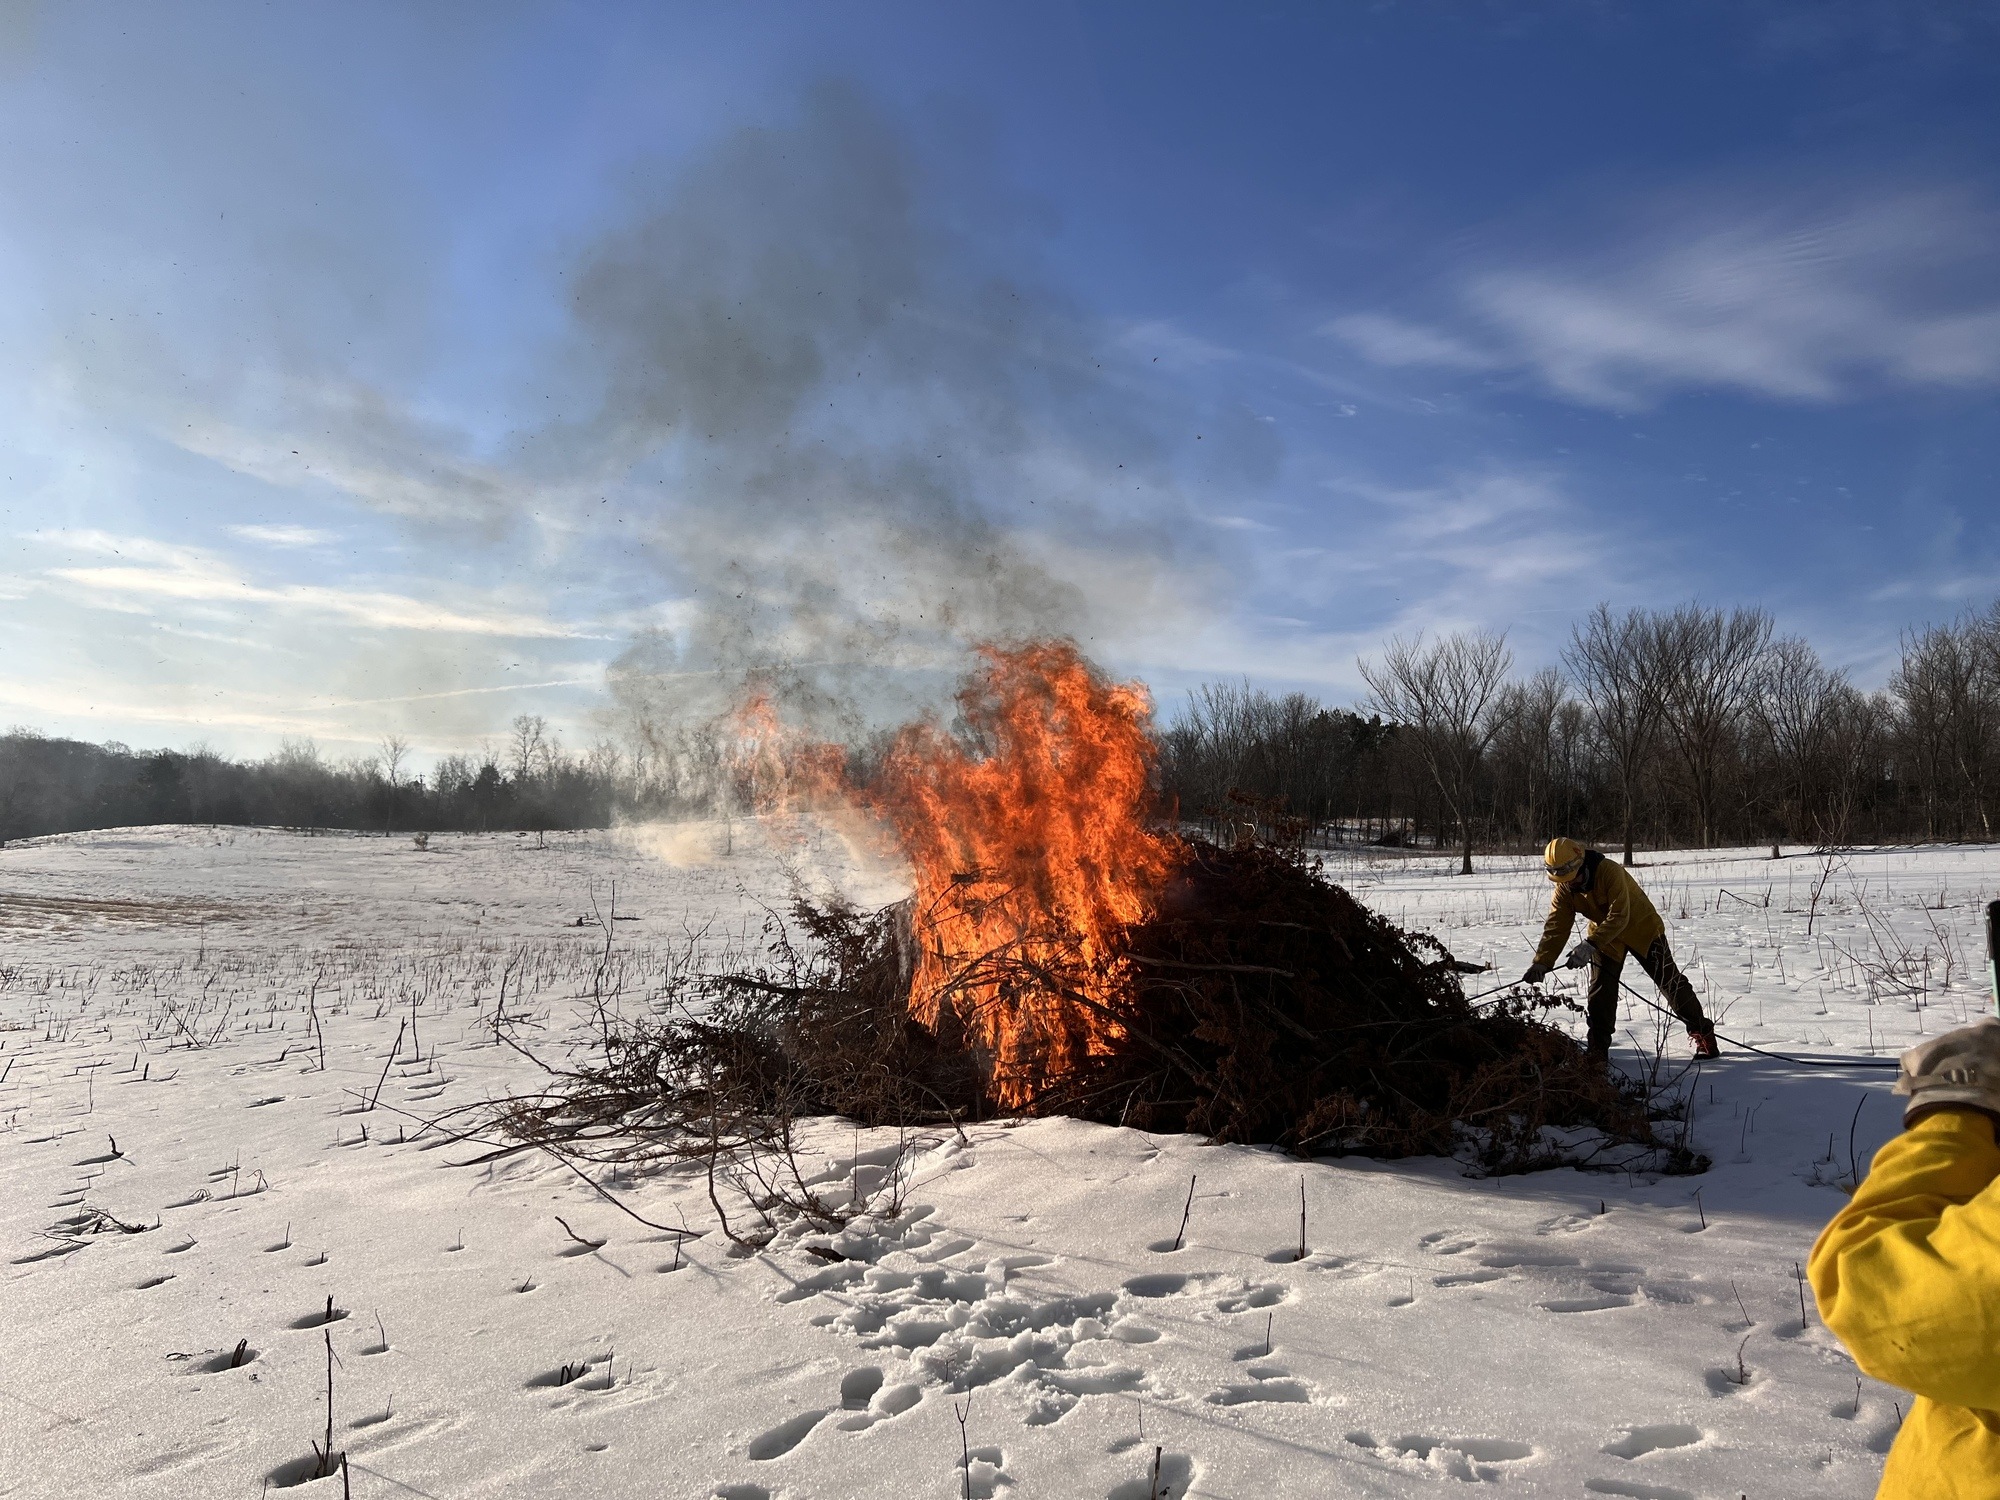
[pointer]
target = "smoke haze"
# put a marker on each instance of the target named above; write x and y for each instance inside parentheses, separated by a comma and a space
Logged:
(869, 446)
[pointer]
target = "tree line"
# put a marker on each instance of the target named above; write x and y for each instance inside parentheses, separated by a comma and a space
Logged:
(1687, 726)
(50, 785)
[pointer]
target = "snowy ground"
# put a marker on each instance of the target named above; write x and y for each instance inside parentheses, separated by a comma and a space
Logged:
(165, 995)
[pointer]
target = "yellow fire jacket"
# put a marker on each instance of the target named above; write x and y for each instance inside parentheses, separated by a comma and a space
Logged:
(1908, 1274)
(1621, 917)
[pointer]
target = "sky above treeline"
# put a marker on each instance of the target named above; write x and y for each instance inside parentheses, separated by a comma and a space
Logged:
(391, 369)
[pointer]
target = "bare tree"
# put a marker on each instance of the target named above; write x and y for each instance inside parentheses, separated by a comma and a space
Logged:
(1947, 687)
(1795, 699)
(1979, 746)
(528, 745)
(1705, 663)
(395, 750)
(1447, 697)
(1854, 740)
(1611, 661)
(1529, 749)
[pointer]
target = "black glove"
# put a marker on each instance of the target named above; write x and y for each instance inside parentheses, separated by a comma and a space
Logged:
(1536, 974)
(1581, 955)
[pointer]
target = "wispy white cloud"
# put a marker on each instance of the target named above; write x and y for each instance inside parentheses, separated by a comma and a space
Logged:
(150, 571)
(1489, 535)
(284, 536)
(1392, 341)
(371, 454)
(1803, 301)
(593, 679)
(1165, 342)
(1239, 523)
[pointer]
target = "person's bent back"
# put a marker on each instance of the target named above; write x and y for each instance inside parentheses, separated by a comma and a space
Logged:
(1908, 1273)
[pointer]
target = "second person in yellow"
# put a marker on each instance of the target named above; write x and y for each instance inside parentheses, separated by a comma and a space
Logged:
(1622, 920)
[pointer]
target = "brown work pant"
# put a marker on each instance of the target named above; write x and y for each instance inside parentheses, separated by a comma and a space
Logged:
(1658, 962)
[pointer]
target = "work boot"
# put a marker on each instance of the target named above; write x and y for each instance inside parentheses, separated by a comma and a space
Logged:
(1704, 1042)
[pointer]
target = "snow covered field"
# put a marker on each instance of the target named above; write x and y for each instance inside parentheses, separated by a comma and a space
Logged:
(166, 996)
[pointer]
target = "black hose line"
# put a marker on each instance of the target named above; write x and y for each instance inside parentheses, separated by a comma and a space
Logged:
(1804, 1062)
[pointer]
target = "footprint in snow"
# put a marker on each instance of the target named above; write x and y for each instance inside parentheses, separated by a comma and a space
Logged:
(1312, 1260)
(1173, 1284)
(1256, 1295)
(1480, 1460)
(786, 1436)
(1634, 1491)
(1566, 1224)
(1639, 1441)
(1161, 1284)
(858, 1387)
(1729, 1382)
(1132, 1331)
(581, 1376)
(881, 1404)
(1669, 1292)
(1446, 1242)
(1168, 1476)
(1513, 1257)
(1268, 1382)
(981, 1473)
(1602, 1302)
(299, 1471)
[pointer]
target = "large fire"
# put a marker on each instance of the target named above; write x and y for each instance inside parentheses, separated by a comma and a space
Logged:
(1027, 838)
(1031, 855)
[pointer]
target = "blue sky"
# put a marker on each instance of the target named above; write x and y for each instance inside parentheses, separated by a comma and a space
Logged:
(399, 370)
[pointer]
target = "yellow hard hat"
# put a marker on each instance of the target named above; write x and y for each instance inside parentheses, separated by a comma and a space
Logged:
(1562, 858)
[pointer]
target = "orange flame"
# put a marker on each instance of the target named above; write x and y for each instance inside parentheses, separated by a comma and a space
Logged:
(773, 768)
(1031, 854)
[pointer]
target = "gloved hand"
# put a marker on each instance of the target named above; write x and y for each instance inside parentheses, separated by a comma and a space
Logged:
(1581, 955)
(1961, 1067)
(1536, 974)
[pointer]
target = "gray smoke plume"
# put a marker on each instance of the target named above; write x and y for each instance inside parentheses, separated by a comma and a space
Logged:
(871, 447)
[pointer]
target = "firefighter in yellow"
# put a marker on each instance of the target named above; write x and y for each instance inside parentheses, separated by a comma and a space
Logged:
(1908, 1273)
(1622, 920)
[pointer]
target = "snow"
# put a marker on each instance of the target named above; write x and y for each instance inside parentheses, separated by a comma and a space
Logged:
(1561, 1333)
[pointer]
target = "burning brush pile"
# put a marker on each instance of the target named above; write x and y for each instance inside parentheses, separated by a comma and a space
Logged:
(1062, 953)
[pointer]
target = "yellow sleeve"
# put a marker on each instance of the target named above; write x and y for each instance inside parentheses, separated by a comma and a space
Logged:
(1555, 931)
(1908, 1274)
(1606, 935)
